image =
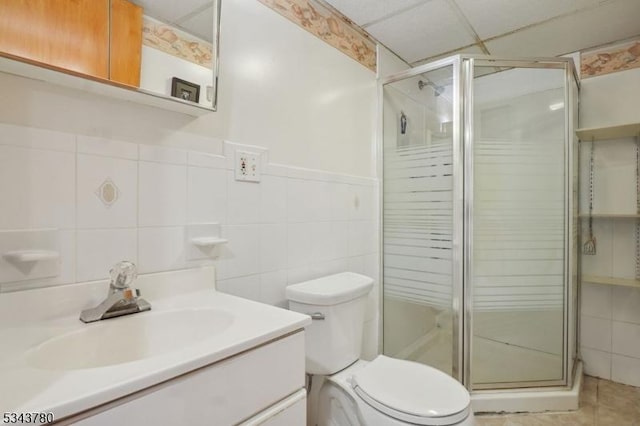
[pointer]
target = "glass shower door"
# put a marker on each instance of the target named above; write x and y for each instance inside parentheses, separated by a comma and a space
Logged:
(518, 227)
(419, 240)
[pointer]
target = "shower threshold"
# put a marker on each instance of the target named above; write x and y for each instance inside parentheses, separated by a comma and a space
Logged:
(529, 400)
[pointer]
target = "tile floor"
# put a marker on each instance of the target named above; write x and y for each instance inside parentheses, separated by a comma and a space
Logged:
(602, 403)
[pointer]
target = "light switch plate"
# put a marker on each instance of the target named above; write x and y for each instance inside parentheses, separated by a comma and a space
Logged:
(248, 166)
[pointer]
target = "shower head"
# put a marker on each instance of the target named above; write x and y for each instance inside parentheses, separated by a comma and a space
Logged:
(437, 90)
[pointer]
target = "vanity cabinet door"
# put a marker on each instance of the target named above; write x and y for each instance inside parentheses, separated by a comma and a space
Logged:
(68, 34)
(288, 412)
(263, 386)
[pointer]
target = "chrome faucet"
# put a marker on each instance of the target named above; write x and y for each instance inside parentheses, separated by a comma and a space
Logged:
(121, 299)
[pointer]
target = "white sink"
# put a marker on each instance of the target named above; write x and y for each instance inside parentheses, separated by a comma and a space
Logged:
(129, 338)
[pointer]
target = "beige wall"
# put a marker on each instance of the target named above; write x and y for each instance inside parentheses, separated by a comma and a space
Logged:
(610, 99)
(280, 88)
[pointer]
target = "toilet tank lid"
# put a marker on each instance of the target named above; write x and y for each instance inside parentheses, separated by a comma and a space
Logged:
(330, 290)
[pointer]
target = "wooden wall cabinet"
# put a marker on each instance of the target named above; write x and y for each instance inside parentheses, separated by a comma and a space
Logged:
(76, 36)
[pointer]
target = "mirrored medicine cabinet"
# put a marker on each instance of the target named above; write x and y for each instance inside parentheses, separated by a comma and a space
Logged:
(162, 53)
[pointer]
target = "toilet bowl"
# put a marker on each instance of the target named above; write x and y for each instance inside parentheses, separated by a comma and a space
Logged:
(349, 391)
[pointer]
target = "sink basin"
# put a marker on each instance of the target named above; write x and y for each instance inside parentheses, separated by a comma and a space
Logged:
(129, 338)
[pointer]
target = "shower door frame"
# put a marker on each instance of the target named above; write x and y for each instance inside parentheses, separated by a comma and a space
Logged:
(569, 340)
(458, 364)
(462, 230)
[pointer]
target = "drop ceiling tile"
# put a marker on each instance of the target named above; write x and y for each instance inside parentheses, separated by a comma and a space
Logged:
(169, 10)
(422, 32)
(490, 18)
(610, 22)
(363, 12)
(200, 25)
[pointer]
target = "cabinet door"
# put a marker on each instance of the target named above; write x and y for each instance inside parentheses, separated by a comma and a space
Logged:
(291, 411)
(68, 34)
(126, 43)
(222, 394)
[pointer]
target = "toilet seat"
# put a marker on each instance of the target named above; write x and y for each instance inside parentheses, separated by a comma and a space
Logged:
(411, 392)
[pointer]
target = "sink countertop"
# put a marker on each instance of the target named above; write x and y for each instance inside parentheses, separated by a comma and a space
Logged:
(24, 388)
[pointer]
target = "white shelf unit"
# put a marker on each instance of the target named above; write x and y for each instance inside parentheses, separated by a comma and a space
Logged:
(610, 215)
(597, 279)
(604, 134)
(608, 133)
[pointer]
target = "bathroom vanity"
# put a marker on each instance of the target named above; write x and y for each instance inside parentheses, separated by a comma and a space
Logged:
(199, 357)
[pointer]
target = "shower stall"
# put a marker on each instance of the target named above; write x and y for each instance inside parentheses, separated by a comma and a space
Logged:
(479, 220)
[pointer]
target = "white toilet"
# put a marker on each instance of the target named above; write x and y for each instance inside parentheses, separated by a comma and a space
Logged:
(383, 392)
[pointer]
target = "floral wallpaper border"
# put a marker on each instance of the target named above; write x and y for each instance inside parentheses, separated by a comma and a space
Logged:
(610, 59)
(177, 43)
(329, 26)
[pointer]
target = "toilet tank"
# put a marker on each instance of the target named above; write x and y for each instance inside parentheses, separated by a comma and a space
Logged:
(336, 303)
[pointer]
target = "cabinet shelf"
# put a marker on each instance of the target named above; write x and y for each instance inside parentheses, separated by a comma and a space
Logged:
(610, 215)
(597, 279)
(608, 133)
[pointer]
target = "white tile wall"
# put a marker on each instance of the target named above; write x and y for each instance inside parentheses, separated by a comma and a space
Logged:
(597, 363)
(300, 201)
(294, 225)
(207, 195)
(107, 147)
(99, 249)
(272, 288)
(299, 245)
(30, 137)
(163, 154)
(624, 248)
(241, 256)
(626, 339)
(596, 333)
(627, 304)
(625, 370)
(37, 187)
(328, 267)
(247, 286)
(245, 199)
(273, 204)
(273, 247)
(610, 332)
(92, 172)
(596, 300)
(328, 240)
(161, 249)
(162, 197)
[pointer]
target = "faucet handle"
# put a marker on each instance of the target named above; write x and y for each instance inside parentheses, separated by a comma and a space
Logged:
(123, 274)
